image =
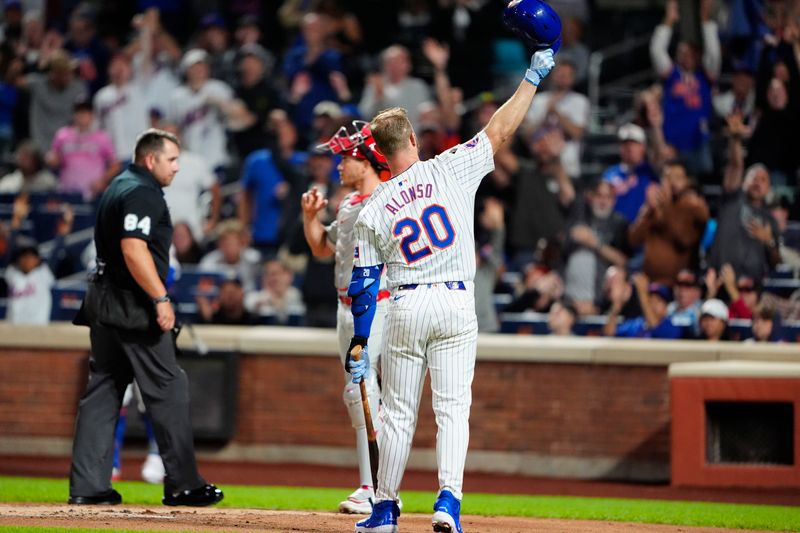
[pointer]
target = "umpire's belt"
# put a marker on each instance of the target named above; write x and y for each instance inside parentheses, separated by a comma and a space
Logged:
(452, 285)
(382, 295)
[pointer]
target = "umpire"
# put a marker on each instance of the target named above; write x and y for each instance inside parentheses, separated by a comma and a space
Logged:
(131, 321)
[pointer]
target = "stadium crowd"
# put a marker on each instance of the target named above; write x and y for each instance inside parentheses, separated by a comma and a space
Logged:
(685, 231)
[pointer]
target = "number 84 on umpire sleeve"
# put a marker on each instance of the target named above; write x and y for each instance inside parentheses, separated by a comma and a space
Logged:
(132, 222)
(436, 224)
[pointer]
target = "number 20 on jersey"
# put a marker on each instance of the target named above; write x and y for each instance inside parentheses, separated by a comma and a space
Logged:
(436, 224)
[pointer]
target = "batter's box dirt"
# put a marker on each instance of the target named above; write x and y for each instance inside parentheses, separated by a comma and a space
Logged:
(217, 519)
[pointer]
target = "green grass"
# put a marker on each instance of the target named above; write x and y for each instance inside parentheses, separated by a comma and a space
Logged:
(761, 517)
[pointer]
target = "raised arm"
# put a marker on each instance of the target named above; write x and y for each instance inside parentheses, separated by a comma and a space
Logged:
(640, 282)
(244, 209)
(506, 120)
(142, 43)
(612, 318)
(660, 151)
(712, 54)
(659, 42)
(372, 97)
(214, 209)
(566, 189)
(734, 169)
(657, 197)
(63, 228)
(21, 208)
(493, 219)
(312, 203)
(728, 275)
(439, 55)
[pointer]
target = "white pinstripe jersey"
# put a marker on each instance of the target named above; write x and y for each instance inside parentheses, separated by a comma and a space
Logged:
(421, 222)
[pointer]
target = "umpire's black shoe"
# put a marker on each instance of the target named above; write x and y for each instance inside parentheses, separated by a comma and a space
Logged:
(111, 497)
(199, 497)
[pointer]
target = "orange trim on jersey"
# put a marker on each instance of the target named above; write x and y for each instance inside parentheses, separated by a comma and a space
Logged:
(407, 239)
(444, 225)
(382, 295)
(358, 198)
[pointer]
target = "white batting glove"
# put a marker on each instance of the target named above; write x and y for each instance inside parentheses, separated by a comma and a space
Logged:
(541, 64)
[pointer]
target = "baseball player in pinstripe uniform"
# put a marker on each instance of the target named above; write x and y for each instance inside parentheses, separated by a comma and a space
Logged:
(419, 224)
(361, 168)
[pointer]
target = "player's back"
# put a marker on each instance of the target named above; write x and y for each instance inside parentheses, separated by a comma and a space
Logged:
(422, 219)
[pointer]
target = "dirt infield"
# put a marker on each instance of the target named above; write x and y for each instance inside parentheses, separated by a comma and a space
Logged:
(160, 518)
(211, 519)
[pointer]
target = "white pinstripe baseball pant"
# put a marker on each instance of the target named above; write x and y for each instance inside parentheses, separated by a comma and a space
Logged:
(429, 328)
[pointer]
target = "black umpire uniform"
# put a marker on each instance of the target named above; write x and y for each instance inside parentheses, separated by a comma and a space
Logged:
(133, 206)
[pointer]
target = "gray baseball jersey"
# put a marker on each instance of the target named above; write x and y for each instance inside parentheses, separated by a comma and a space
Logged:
(341, 235)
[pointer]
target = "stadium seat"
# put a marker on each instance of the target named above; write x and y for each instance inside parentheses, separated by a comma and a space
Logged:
(187, 312)
(66, 302)
(781, 287)
(193, 283)
(784, 272)
(270, 319)
(590, 326)
(790, 331)
(740, 329)
(525, 323)
(501, 301)
(511, 277)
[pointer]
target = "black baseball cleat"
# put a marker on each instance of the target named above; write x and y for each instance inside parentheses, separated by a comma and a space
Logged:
(111, 497)
(199, 497)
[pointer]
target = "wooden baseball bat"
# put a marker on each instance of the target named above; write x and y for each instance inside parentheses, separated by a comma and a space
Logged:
(372, 440)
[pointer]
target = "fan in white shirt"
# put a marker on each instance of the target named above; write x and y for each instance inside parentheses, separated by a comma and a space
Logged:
(29, 282)
(195, 196)
(121, 108)
(233, 256)
(562, 109)
(29, 277)
(203, 108)
(31, 175)
(277, 297)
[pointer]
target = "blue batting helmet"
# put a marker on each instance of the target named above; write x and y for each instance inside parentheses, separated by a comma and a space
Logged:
(535, 22)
